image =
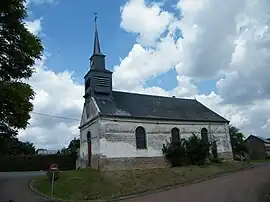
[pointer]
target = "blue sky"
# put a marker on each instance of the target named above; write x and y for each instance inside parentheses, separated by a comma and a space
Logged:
(67, 34)
(214, 55)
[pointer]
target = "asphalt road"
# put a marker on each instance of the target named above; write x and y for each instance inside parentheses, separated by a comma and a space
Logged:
(242, 186)
(237, 187)
(14, 186)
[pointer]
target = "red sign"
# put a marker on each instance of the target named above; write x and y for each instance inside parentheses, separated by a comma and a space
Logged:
(53, 167)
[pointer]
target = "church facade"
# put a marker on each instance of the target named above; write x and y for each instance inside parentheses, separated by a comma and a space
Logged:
(122, 130)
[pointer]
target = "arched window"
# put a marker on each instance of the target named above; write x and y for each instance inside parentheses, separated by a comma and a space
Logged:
(204, 135)
(175, 135)
(140, 138)
(88, 136)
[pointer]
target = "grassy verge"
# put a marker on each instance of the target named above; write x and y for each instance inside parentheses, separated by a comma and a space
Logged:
(260, 161)
(87, 184)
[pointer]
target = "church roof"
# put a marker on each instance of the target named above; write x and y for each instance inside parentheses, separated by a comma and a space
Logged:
(135, 105)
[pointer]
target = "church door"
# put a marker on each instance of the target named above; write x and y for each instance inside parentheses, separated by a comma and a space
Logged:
(89, 148)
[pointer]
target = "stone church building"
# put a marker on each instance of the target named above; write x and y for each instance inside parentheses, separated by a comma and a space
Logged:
(123, 130)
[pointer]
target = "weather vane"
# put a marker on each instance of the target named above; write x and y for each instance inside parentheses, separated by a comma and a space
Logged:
(95, 14)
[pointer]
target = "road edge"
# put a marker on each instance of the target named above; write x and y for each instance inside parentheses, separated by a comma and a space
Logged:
(144, 193)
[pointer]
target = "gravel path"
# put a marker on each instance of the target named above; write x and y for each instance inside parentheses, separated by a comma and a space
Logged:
(243, 186)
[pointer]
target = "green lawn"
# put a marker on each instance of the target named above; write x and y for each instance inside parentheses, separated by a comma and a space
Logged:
(87, 184)
(260, 161)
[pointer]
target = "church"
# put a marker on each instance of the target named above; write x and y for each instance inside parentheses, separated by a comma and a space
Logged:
(124, 130)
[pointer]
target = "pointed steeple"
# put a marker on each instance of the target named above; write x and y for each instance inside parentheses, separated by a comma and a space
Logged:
(96, 40)
(98, 80)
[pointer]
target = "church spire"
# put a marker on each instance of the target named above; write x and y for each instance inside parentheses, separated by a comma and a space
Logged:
(96, 40)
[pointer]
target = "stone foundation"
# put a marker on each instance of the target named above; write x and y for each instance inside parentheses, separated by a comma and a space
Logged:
(129, 163)
(81, 163)
(132, 163)
(228, 156)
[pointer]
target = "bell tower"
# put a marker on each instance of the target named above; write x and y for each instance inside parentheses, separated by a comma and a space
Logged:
(98, 80)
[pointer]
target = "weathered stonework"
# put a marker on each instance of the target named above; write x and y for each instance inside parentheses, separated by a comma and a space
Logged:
(228, 156)
(132, 163)
(113, 142)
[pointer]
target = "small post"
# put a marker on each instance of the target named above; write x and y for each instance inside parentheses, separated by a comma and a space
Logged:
(52, 184)
(53, 168)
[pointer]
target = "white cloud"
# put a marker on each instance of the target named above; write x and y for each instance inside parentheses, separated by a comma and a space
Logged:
(34, 26)
(229, 43)
(28, 2)
(151, 23)
(56, 94)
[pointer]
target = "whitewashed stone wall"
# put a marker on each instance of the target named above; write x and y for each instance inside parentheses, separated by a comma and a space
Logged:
(88, 123)
(118, 136)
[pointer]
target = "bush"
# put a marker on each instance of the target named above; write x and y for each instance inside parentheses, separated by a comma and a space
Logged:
(175, 153)
(197, 150)
(185, 152)
(214, 153)
(37, 162)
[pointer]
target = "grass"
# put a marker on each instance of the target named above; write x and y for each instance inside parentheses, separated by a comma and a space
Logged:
(87, 184)
(260, 161)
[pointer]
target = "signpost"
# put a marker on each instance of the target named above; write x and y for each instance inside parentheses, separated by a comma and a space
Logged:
(53, 168)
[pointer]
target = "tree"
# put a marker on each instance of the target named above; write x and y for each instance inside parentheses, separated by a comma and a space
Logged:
(19, 49)
(237, 140)
(74, 145)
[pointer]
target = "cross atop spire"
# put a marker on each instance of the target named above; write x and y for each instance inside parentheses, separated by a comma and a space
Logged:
(96, 40)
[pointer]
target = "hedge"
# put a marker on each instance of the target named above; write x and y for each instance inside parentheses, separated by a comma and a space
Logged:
(37, 162)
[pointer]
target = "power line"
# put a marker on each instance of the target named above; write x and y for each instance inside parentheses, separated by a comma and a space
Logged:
(59, 117)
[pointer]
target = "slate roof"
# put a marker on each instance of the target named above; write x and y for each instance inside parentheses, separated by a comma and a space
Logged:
(156, 107)
(263, 139)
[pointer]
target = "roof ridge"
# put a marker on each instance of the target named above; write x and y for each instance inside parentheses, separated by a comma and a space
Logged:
(159, 96)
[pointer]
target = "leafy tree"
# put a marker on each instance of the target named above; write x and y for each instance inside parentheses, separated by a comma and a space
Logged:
(74, 145)
(19, 49)
(237, 140)
(12, 146)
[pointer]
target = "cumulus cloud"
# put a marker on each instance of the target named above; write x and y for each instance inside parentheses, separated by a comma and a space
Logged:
(28, 2)
(151, 23)
(58, 95)
(34, 26)
(228, 42)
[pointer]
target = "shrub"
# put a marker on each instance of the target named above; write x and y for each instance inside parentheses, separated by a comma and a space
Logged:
(37, 162)
(197, 150)
(175, 153)
(185, 152)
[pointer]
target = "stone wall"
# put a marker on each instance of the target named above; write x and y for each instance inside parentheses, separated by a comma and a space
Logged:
(226, 156)
(117, 136)
(132, 163)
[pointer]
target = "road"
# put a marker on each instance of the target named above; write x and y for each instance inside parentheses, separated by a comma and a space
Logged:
(237, 187)
(243, 186)
(14, 186)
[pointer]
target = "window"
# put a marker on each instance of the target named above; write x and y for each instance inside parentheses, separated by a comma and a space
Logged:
(88, 136)
(140, 138)
(175, 135)
(204, 134)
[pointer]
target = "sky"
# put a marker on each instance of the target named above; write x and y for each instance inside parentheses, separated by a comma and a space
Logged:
(211, 50)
